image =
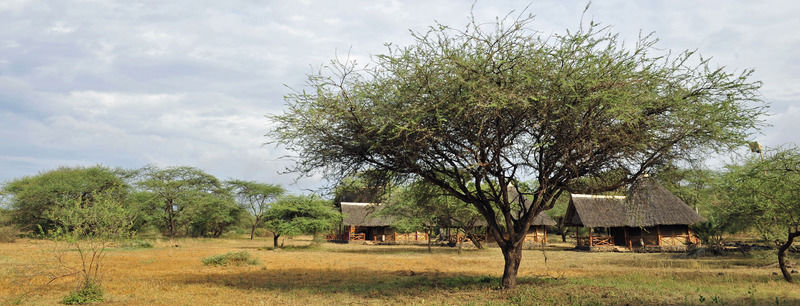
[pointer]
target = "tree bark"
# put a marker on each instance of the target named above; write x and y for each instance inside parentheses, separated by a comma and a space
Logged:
(782, 254)
(475, 241)
(513, 256)
(275, 240)
(255, 225)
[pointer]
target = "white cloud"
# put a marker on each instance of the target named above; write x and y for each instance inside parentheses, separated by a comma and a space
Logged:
(187, 83)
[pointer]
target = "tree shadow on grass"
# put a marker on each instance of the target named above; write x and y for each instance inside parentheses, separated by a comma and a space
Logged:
(355, 281)
(403, 249)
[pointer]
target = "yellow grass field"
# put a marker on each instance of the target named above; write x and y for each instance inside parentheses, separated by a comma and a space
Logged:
(334, 274)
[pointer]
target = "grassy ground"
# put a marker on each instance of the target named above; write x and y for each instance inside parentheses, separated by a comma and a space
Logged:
(368, 274)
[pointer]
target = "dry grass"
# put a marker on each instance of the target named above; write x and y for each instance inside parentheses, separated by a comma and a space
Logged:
(367, 274)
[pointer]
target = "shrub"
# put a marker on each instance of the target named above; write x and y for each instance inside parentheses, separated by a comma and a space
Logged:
(137, 244)
(90, 292)
(230, 258)
(8, 234)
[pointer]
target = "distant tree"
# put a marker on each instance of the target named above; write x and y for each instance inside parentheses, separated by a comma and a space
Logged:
(32, 198)
(692, 184)
(299, 214)
(766, 194)
(423, 206)
(255, 198)
(174, 190)
(476, 110)
(209, 215)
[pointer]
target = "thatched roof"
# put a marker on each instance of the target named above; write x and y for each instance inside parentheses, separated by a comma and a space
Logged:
(647, 204)
(364, 214)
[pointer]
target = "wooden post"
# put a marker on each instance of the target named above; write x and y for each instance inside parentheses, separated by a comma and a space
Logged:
(545, 235)
(658, 231)
(627, 240)
(591, 230)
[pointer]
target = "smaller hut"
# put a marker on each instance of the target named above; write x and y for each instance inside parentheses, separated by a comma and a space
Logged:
(362, 222)
(648, 217)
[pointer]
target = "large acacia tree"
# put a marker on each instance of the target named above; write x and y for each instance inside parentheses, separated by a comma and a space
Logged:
(478, 109)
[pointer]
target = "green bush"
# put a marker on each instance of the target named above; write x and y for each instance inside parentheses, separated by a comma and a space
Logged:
(90, 292)
(8, 234)
(230, 258)
(137, 244)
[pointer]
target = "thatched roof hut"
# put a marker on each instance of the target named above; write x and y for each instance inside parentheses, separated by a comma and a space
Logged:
(364, 214)
(648, 204)
(649, 216)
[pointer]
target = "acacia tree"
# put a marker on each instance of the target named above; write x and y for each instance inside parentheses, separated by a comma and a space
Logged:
(34, 198)
(174, 189)
(477, 110)
(296, 215)
(766, 195)
(255, 198)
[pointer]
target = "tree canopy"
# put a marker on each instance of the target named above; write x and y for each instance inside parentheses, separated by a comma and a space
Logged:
(494, 104)
(176, 193)
(34, 198)
(254, 197)
(766, 195)
(300, 214)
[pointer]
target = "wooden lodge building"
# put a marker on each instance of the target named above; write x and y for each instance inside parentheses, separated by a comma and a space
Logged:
(361, 222)
(648, 218)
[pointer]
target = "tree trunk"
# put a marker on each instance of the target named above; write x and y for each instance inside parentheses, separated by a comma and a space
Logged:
(564, 235)
(782, 253)
(275, 240)
(475, 241)
(252, 232)
(430, 232)
(513, 256)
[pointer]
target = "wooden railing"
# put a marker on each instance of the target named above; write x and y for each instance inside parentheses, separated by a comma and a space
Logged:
(418, 236)
(596, 240)
(358, 236)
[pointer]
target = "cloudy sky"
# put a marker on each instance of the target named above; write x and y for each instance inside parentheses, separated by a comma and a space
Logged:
(131, 83)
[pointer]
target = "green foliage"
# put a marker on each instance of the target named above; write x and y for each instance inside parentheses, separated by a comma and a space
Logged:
(88, 293)
(90, 225)
(474, 110)
(420, 204)
(137, 244)
(367, 186)
(765, 195)
(34, 198)
(231, 258)
(210, 215)
(186, 198)
(696, 186)
(255, 198)
(300, 214)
